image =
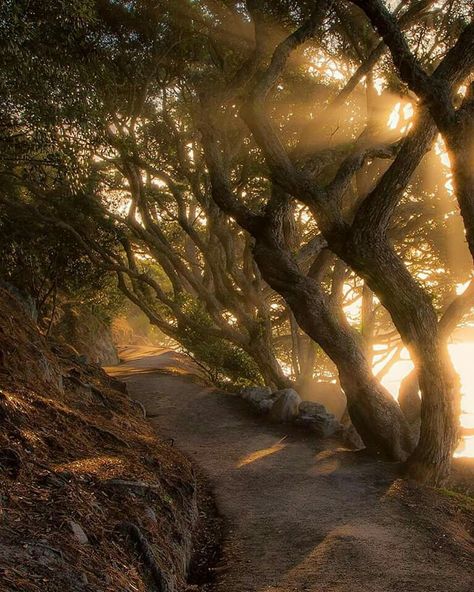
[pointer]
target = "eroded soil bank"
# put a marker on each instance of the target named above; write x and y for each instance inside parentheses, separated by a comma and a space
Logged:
(91, 497)
(302, 515)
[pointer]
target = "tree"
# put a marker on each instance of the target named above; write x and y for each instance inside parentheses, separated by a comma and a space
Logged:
(239, 158)
(361, 240)
(175, 255)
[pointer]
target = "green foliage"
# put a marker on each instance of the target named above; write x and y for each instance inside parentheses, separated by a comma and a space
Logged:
(462, 499)
(46, 266)
(90, 84)
(224, 361)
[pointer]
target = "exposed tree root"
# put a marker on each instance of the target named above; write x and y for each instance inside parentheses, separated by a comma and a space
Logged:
(146, 554)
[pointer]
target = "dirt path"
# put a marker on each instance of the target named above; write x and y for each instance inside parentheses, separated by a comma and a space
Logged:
(301, 518)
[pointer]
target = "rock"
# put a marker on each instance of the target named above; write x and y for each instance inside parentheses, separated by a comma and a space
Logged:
(324, 426)
(266, 405)
(150, 515)
(255, 395)
(79, 533)
(316, 417)
(286, 405)
(328, 394)
(312, 408)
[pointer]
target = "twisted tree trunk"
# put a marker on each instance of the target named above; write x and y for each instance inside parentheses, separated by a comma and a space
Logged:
(374, 413)
(409, 398)
(262, 352)
(415, 318)
(440, 408)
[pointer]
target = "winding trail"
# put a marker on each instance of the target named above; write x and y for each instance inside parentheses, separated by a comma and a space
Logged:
(301, 517)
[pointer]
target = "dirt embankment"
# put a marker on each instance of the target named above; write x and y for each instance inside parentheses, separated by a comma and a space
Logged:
(91, 498)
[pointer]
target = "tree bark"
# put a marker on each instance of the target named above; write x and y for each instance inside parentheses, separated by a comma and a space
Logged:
(263, 354)
(409, 398)
(440, 408)
(460, 142)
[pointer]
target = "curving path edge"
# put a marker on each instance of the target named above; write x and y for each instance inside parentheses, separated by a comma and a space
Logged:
(302, 515)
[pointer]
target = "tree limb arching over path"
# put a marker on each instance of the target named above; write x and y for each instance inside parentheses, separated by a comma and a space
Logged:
(300, 516)
(198, 176)
(361, 239)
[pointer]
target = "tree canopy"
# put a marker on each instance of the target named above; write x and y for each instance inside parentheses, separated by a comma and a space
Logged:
(282, 187)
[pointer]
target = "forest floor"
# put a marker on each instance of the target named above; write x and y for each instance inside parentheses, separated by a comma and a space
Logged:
(302, 514)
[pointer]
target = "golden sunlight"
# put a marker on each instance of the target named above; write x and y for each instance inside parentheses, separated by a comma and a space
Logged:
(259, 454)
(462, 354)
(401, 117)
(461, 350)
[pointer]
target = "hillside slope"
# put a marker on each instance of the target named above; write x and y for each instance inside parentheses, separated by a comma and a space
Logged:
(90, 498)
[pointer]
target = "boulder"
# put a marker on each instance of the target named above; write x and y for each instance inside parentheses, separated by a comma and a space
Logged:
(326, 393)
(255, 395)
(286, 405)
(266, 405)
(312, 408)
(316, 417)
(324, 426)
